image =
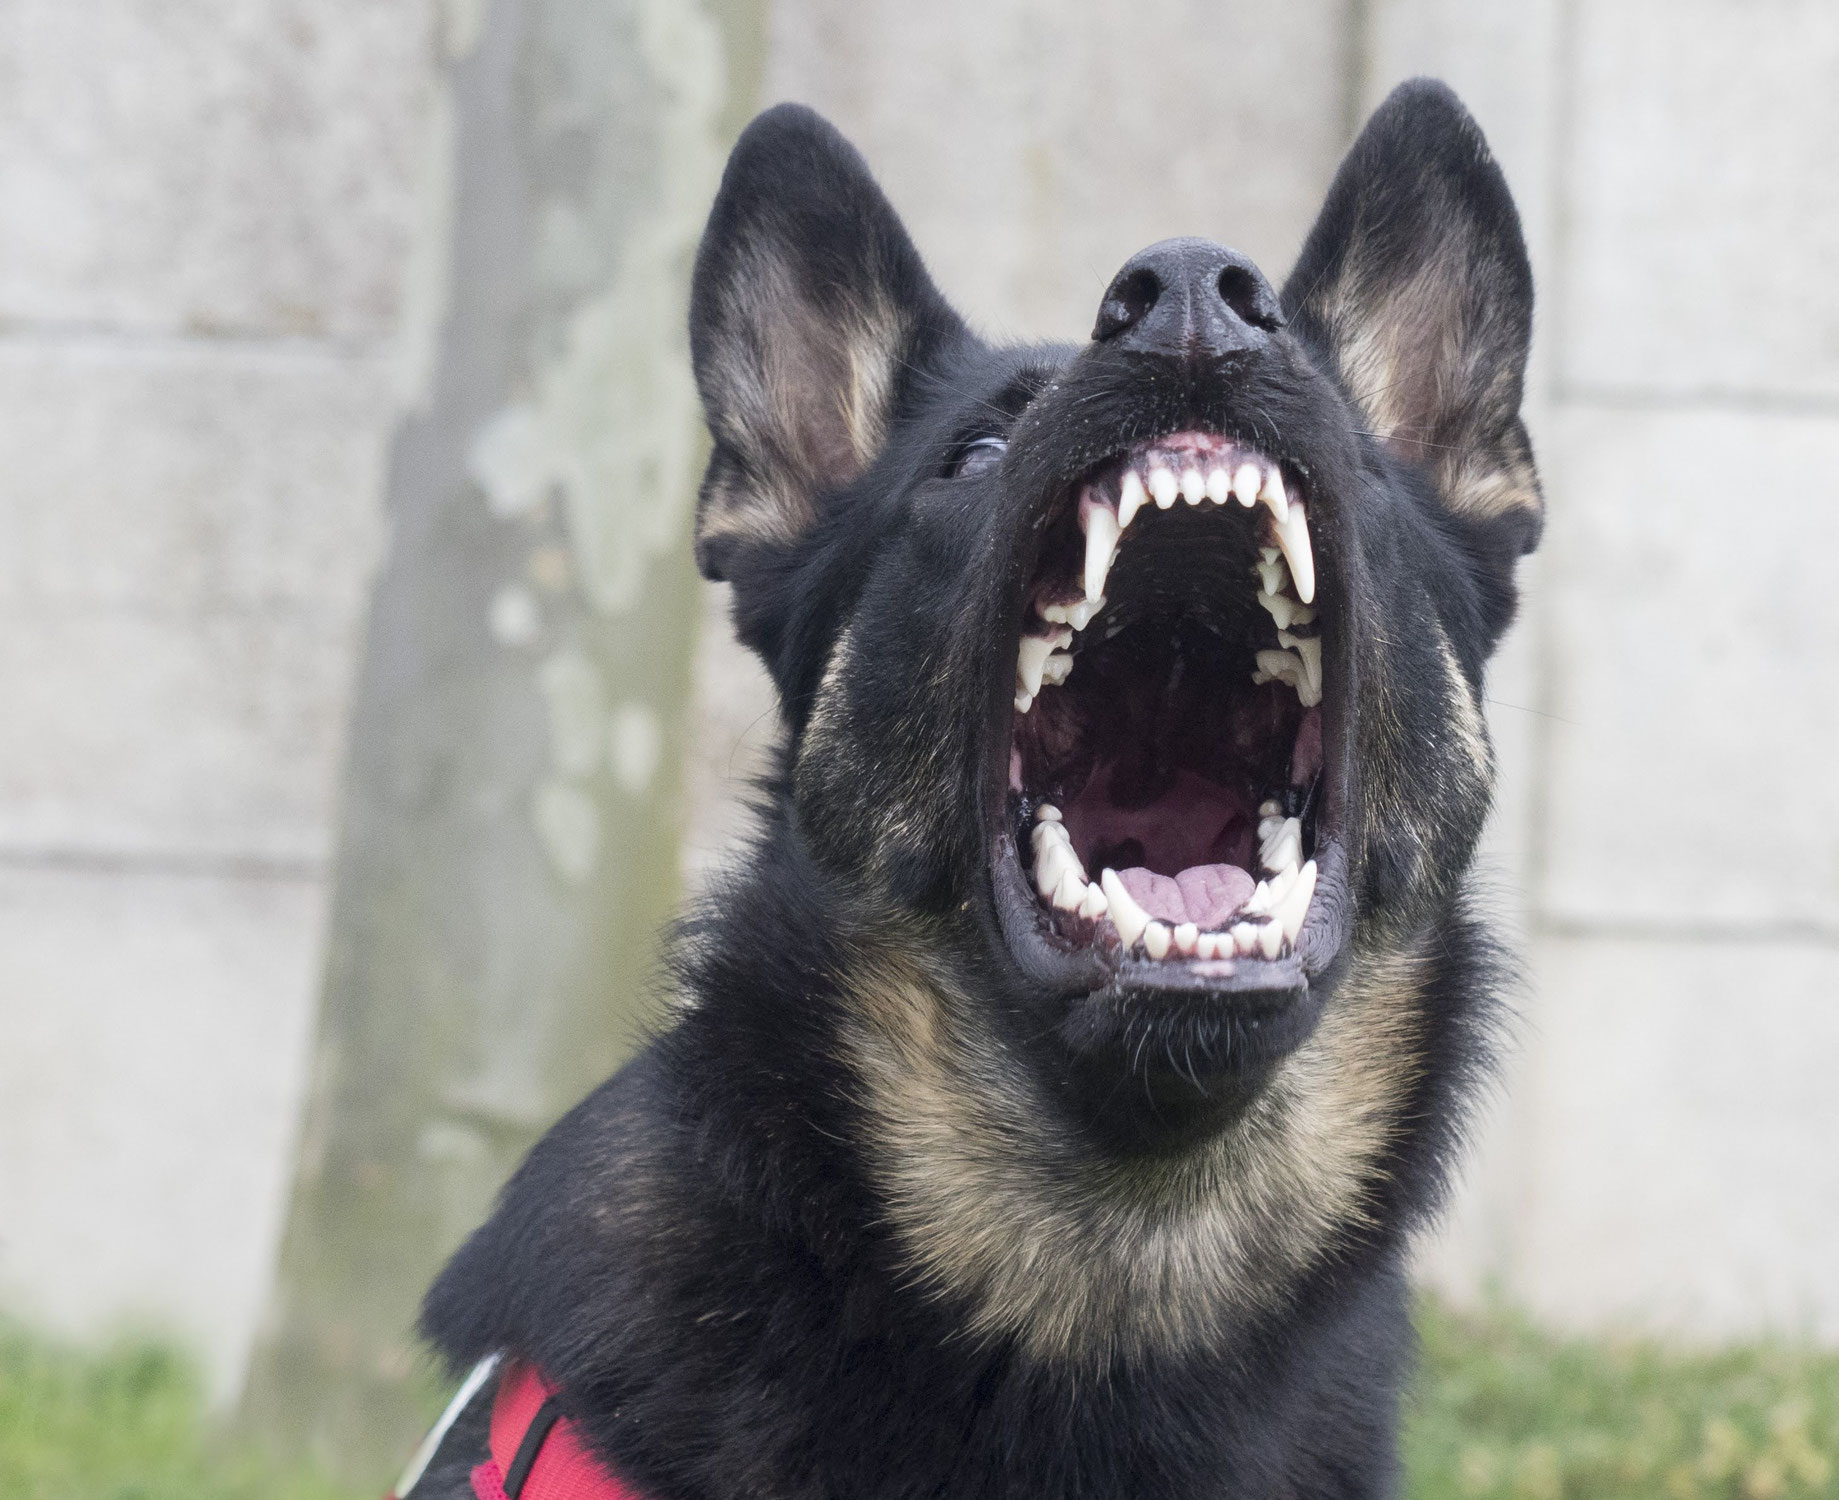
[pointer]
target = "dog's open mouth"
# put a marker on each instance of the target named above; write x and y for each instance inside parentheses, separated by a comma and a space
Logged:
(1166, 770)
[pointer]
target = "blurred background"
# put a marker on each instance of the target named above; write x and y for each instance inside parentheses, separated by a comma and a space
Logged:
(361, 716)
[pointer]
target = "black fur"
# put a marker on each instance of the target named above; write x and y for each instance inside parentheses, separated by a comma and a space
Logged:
(708, 1254)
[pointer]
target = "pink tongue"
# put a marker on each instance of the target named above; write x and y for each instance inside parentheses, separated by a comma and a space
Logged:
(1206, 895)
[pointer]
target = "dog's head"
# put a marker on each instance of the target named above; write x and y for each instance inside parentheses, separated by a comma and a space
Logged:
(1139, 679)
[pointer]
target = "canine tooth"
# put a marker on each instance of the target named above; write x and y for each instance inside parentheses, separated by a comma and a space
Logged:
(1293, 537)
(1273, 493)
(1295, 908)
(1048, 813)
(1285, 610)
(1270, 939)
(1193, 486)
(1101, 529)
(1164, 487)
(1219, 486)
(1129, 918)
(1309, 648)
(1057, 668)
(1070, 892)
(1273, 575)
(1094, 905)
(1245, 484)
(1187, 937)
(1032, 657)
(1156, 940)
(1132, 499)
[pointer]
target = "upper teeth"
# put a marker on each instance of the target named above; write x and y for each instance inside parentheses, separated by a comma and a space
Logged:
(1246, 484)
(1298, 659)
(1272, 495)
(1293, 538)
(1078, 615)
(1100, 524)
(1286, 571)
(1130, 498)
(1033, 664)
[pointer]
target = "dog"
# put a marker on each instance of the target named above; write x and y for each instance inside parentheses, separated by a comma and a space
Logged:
(1058, 1080)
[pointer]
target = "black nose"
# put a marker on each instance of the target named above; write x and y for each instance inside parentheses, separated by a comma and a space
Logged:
(1191, 298)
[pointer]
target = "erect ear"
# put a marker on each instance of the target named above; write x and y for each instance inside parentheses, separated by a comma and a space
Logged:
(809, 312)
(1415, 284)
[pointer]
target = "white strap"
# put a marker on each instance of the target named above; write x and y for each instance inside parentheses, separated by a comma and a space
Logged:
(431, 1444)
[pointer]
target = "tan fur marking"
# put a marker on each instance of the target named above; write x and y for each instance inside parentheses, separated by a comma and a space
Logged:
(1080, 1257)
(1466, 720)
(1390, 348)
(801, 400)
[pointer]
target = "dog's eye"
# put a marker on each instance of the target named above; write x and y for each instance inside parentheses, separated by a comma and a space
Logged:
(979, 457)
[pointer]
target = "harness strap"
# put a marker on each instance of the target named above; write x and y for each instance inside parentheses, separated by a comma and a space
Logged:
(536, 1454)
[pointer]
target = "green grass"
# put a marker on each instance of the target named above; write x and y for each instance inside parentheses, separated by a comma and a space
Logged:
(125, 1424)
(1505, 1410)
(1502, 1410)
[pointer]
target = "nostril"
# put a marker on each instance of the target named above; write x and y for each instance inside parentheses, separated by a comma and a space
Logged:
(1130, 298)
(1249, 295)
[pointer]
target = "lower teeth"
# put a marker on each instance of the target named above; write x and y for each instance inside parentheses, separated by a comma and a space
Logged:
(1265, 926)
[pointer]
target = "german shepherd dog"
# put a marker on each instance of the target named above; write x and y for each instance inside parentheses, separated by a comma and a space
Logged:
(1057, 1082)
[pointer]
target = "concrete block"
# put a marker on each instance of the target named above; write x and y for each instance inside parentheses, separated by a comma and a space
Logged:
(211, 165)
(183, 477)
(157, 1033)
(215, 737)
(1703, 211)
(186, 541)
(1691, 639)
(1677, 1170)
(1032, 148)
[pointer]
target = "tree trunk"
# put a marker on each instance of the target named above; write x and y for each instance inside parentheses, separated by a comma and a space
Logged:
(512, 799)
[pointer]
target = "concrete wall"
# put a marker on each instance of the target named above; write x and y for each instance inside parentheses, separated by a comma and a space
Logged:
(1672, 1156)
(207, 239)
(207, 216)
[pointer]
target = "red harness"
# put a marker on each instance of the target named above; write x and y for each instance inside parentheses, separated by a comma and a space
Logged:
(536, 1454)
(535, 1451)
